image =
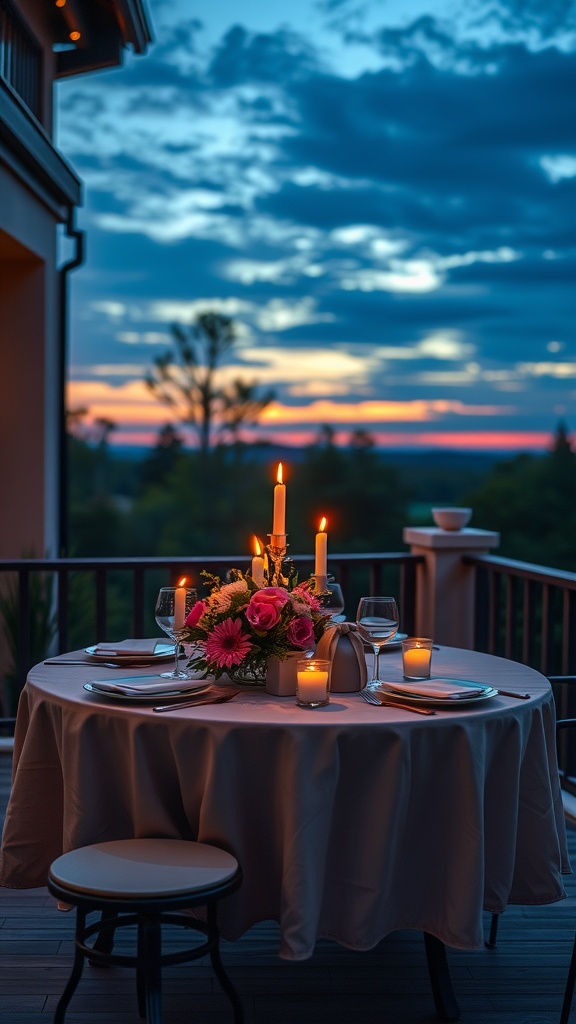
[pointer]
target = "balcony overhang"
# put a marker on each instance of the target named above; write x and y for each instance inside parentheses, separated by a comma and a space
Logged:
(92, 34)
(26, 149)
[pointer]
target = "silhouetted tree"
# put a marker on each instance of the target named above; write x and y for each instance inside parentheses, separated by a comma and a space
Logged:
(187, 379)
(163, 457)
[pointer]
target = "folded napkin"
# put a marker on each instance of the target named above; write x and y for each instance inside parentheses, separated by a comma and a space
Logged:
(212, 695)
(447, 689)
(134, 647)
(140, 686)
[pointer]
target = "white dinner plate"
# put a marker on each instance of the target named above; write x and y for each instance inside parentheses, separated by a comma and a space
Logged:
(150, 697)
(389, 690)
(162, 652)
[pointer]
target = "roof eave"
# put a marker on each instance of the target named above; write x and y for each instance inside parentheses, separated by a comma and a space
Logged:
(135, 23)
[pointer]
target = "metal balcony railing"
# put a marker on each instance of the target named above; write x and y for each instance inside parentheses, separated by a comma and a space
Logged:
(55, 605)
(525, 612)
(20, 59)
(520, 611)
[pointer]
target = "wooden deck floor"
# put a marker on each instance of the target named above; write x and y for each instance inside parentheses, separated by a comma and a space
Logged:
(521, 982)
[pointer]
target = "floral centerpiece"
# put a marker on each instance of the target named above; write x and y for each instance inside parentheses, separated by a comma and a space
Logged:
(240, 626)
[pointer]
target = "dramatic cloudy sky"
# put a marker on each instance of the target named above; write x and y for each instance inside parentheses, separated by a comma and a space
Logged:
(382, 193)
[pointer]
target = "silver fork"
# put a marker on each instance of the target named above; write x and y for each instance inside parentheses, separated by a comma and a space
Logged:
(372, 698)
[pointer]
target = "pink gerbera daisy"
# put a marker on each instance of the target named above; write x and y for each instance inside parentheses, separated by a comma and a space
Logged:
(227, 644)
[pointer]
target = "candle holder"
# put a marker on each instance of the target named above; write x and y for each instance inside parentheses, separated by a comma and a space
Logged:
(320, 588)
(276, 550)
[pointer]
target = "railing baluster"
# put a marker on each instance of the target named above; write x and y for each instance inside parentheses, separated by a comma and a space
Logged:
(101, 625)
(509, 617)
(493, 608)
(525, 636)
(408, 596)
(566, 624)
(62, 608)
(375, 577)
(545, 631)
(138, 601)
(23, 654)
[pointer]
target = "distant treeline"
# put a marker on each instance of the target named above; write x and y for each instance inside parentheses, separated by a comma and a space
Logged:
(170, 500)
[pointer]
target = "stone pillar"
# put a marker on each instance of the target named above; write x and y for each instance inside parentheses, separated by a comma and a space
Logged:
(444, 584)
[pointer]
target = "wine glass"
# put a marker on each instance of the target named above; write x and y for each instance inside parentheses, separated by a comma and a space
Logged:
(172, 607)
(377, 621)
(332, 601)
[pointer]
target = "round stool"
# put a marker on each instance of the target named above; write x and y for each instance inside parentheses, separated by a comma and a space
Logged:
(142, 882)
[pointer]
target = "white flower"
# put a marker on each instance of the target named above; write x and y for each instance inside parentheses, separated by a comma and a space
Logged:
(222, 599)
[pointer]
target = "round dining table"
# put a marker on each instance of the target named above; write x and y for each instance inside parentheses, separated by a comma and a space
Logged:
(350, 821)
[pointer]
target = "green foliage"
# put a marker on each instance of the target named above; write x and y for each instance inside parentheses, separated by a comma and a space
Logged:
(531, 502)
(361, 496)
(184, 503)
(41, 627)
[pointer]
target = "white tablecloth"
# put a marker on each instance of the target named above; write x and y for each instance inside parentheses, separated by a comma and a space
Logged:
(349, 821)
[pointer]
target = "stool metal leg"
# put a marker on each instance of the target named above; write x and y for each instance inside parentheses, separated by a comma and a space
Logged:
(151, 948)
(105, 940)
(569, 991)
(219, 967)
(141, 971)
(77, 966)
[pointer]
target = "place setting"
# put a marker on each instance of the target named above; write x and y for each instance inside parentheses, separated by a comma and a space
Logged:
(173, 605)
(377, 621)
(132, 651)
(122, 654)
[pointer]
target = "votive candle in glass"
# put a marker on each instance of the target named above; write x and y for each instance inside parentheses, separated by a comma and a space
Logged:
(312, 682)
(416, 657)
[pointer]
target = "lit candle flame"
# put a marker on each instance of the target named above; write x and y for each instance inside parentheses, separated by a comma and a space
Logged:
(257, 546)
(322, 526)
(279, 474)
(182, 581)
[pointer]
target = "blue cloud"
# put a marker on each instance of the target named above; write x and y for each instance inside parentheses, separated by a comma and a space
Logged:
(450, 167)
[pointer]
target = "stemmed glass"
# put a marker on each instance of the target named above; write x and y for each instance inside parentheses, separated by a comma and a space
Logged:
(377, 621)
(333, 601)
(171, 612)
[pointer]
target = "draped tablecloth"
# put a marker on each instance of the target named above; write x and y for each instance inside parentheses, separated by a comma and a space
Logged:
(349, 821)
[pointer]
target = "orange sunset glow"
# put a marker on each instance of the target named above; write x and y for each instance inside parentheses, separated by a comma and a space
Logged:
(138, 417)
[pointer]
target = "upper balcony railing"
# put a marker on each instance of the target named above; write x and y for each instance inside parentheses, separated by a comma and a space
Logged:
(20, 59)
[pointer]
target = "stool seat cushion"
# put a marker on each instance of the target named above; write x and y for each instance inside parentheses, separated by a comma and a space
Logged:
(143, 868)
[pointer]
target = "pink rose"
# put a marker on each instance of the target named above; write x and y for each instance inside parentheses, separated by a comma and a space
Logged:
(195, 614)
(301, 632)
(263, 611)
